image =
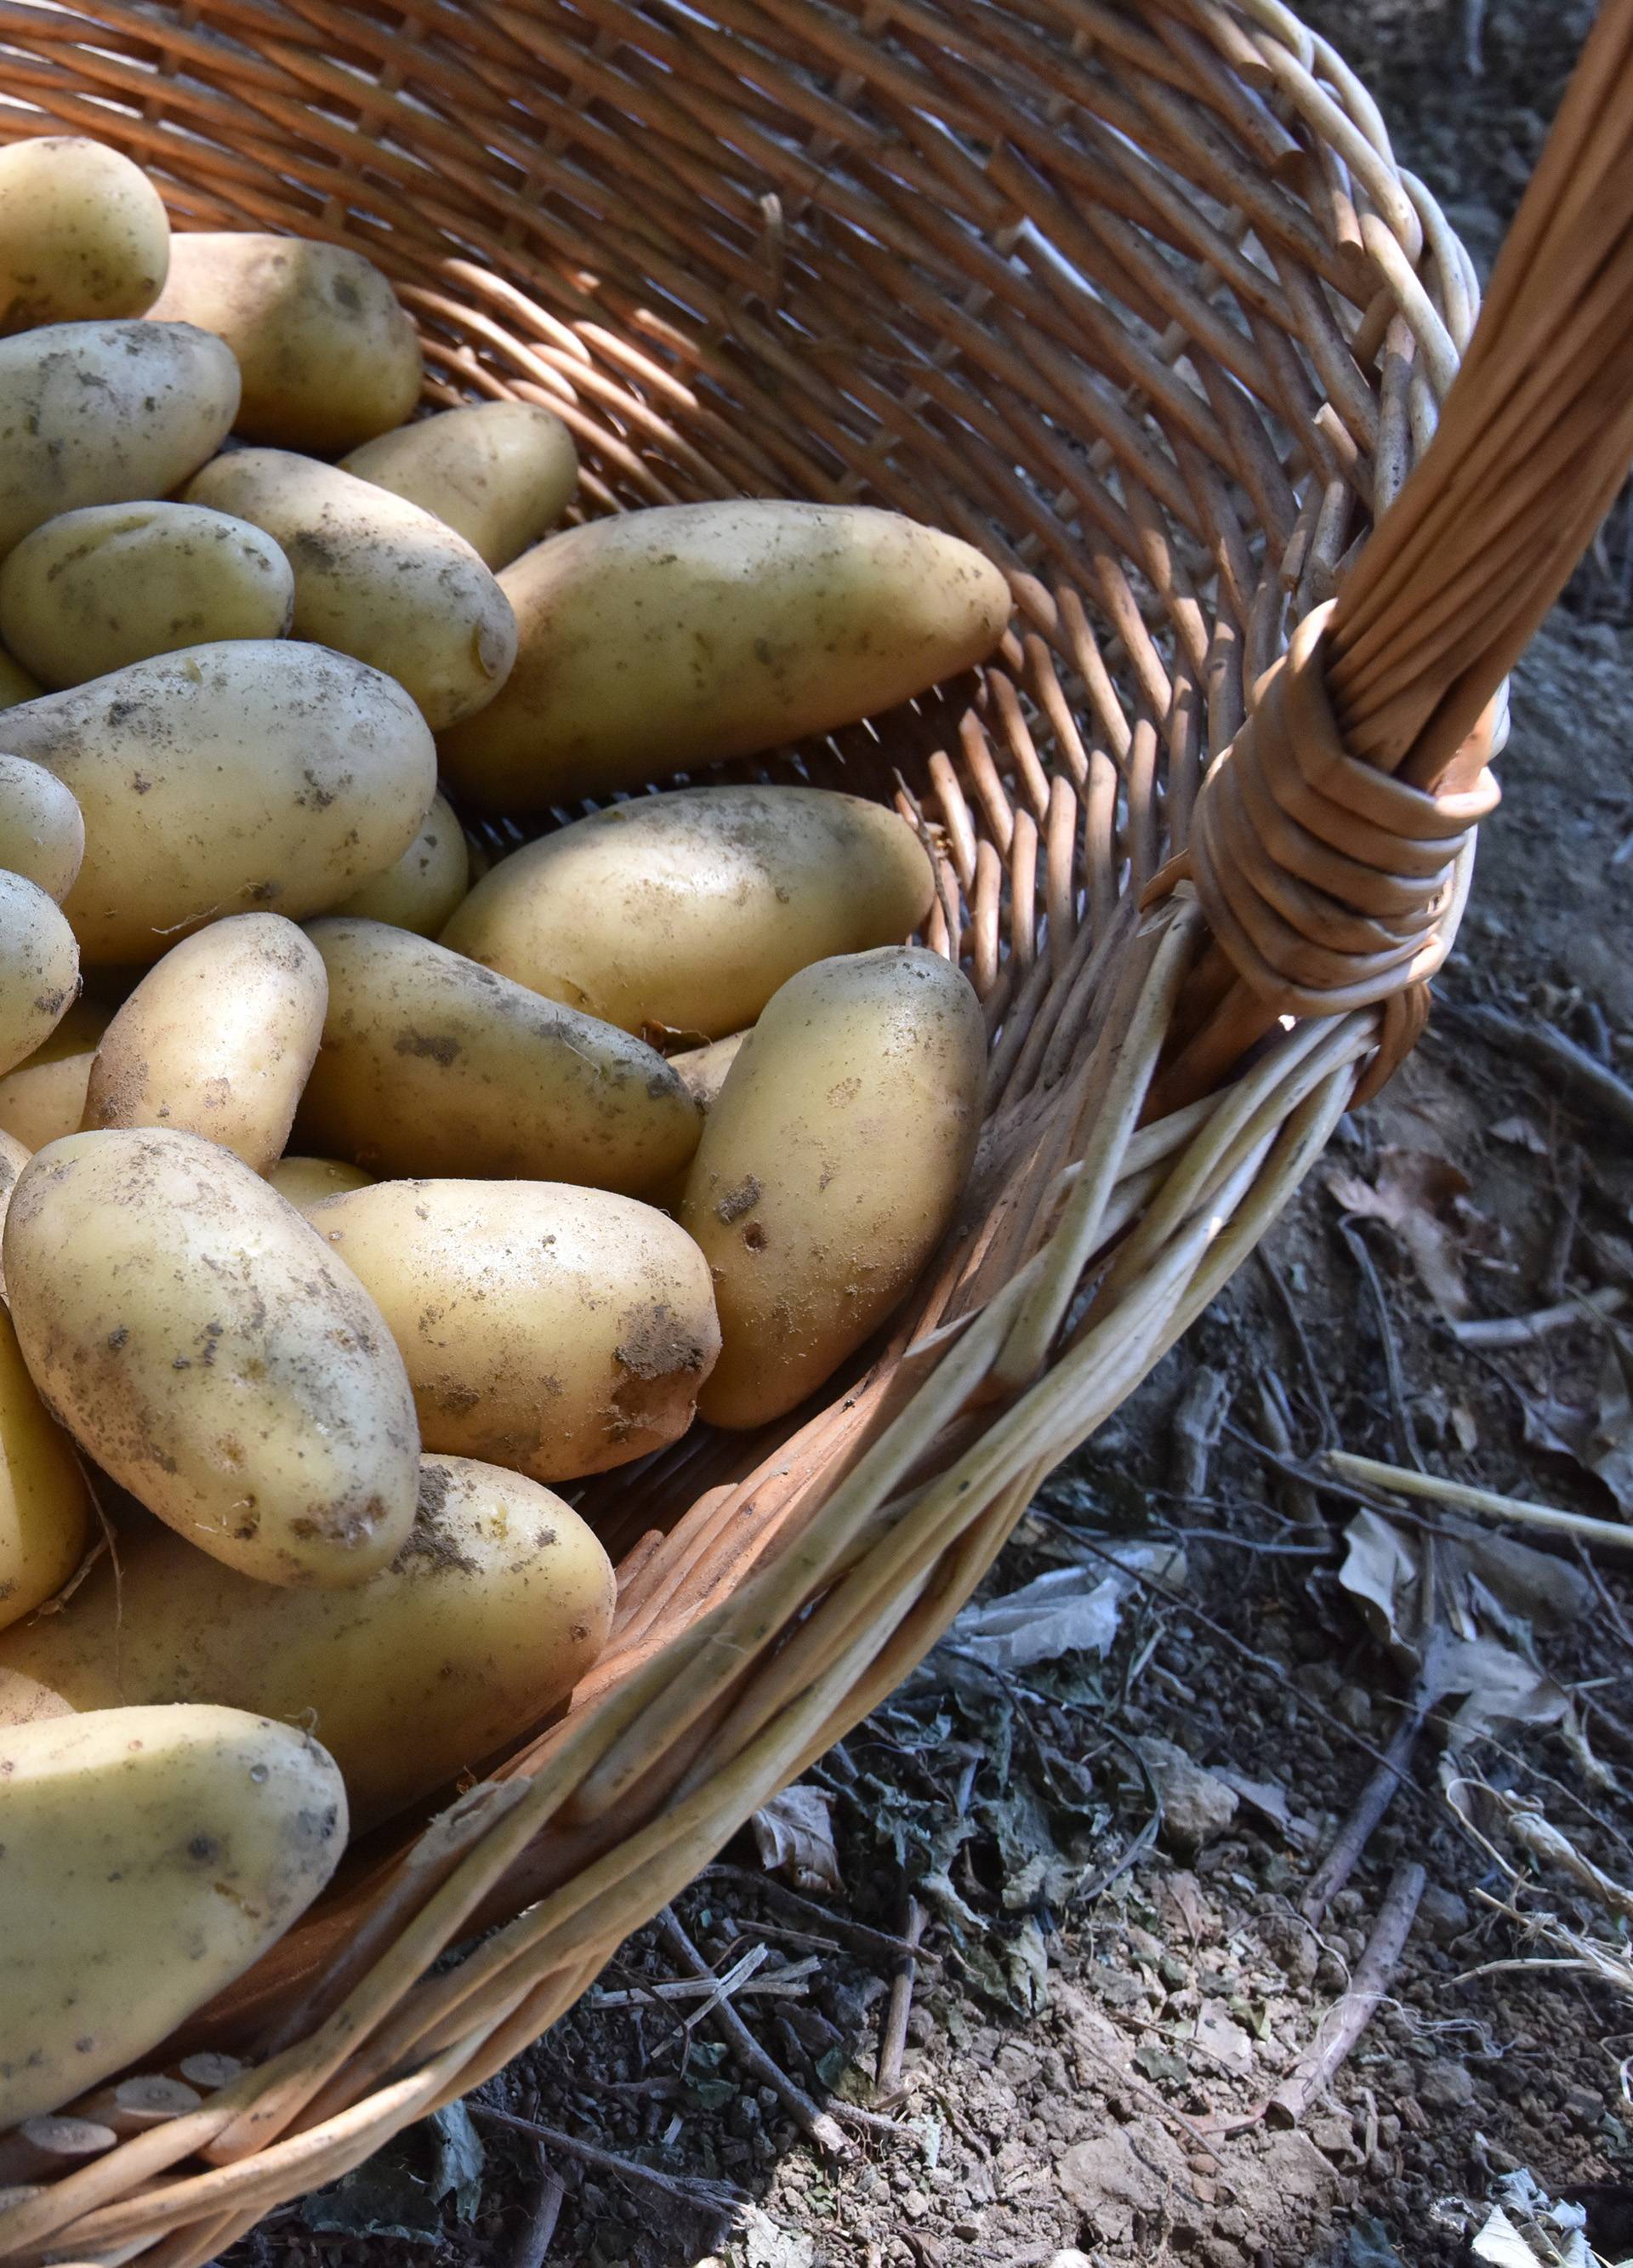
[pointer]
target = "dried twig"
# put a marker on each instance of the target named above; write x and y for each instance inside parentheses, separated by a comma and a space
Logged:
(859, 1933)
(1313, 1377)
(1524, 1330)
(704, 2196)
(893, 2038)
(822, 2129)
(1406, 1433)
(1562, 1242)
(1195, 1428)
(1298, 1496)
(1551, 1051)
(1345, 2022)
(787, 1982)
(540, 2230)
(1375, 1799)
(1517, 1510)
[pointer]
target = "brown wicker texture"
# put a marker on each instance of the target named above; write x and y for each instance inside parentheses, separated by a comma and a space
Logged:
(1133, 294)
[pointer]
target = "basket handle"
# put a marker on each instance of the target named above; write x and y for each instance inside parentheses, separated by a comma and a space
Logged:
(1332, 843)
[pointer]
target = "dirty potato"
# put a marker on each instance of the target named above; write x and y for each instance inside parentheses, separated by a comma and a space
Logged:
(212, 1354)
(328, 356)
(83, 233)
(432, 1065)
(497, 1604)
(554, 1329)
(42, 836)
(218, 1039)
(501, 473)
(658, 640)
(39, 968)
(685, 912)
(830, 1167)
(113, 584)
(254, 774)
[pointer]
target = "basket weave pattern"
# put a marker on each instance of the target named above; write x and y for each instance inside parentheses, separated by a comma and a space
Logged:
(1133, 294)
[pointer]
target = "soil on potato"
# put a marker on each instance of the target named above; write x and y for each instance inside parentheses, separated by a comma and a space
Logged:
(1108, 2005)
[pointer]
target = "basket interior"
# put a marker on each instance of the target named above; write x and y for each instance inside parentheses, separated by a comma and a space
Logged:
(1132, 293)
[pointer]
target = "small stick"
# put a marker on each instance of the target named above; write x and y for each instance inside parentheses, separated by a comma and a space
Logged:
(823, 2130)
(41, 2148)
(1375, 1799)
(710, 2197)
(1406, 1433)
(894, 2038)
(1345, 2022)
(1295, 1324)
(1552, 1051)
(540, 2230)
(135, 2104)
(1298, 1496)
(1196, 1427)
(1519, 1511)
(1562, 1242)
(1524, 1330)
(865, 1939)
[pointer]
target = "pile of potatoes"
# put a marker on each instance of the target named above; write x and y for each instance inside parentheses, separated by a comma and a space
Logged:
(358, 1195)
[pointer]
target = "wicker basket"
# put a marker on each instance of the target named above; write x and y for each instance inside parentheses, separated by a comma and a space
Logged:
(1133, 294)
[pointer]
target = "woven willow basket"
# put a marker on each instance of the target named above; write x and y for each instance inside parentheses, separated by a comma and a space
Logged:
(1133, 294)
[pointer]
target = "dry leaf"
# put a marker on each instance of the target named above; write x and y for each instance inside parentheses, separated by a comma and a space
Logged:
(1069, 1611)
(1423, 1198)
(794, 1835)
(1521, 1134)
(1598, 1435)
(1270, 1802)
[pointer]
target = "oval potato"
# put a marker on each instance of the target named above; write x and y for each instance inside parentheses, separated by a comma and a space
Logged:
(328, 356)
(218, 1039)
(553, 1329)
(105, 413)
(690, 633)
(39, 968)
(256, 774)
(685, 912)
(97, 589)
(830, 1167)
(209, 1352)
(14, 1155)
(44, 1507)
(427, 883)
(305, 1181)
(501, 475)
(42, 836)
(44, 1098)
(374, 577)
(498, 1603)
(432, 1065)
(150, 1855)
(83, 233)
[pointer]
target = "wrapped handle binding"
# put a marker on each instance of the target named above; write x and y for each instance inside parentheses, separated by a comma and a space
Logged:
(1332, 843)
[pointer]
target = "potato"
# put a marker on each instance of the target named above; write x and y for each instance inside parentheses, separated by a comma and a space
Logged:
(690, 633)
(42, 836)
(422, 889)
(45, 1096)
(305, 1181)
(39, 968)
(16, 684)
(44, 1507)
(218, 1039)
(14, 1155)
(114, 582)
(685, 912)
(209, 1352)
(328, 356)
(257, 773)
(554, 1329)
(375, 577)
(150, 1855)
(499, 475)
(83, 233)
(704, 1069)
(105, 413)
(497, 1604)
(432, 1065)
(830, 1167)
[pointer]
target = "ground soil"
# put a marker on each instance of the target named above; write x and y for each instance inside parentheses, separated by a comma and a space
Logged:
(1108, 2007)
